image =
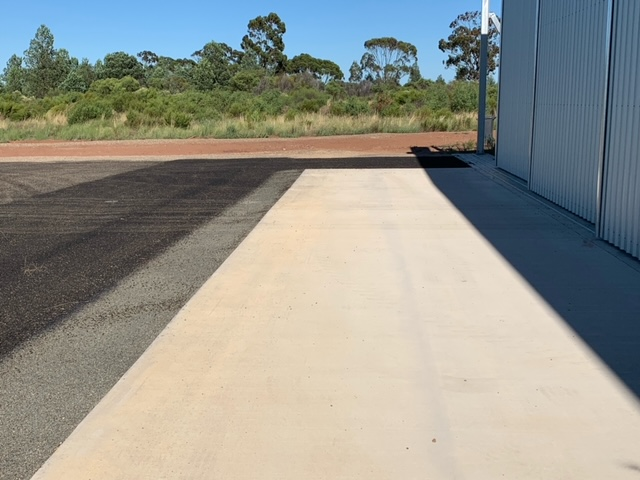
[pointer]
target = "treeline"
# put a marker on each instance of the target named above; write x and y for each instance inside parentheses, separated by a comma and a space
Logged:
(217, 81)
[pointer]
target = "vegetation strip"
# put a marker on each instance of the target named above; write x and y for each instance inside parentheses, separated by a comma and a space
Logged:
(221, 92)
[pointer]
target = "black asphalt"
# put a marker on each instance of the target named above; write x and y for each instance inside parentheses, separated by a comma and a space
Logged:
(73, 232)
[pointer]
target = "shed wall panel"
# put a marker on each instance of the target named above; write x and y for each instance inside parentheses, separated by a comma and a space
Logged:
(517, 69)
(621, 184)
(572, 65)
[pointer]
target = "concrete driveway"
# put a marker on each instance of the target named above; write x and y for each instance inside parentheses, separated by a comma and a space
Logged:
(387, 324)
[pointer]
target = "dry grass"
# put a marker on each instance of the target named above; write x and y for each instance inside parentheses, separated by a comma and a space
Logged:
(55, 126)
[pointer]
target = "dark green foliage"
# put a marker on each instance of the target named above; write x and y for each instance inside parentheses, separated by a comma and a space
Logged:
(166, 73)
(13, 109)
(177, 119)
(463, 47)
(119, 65)
(217, 64)
(89, 109)
(463, 96)
(353, 107)
(14, 75)
(45, 68)
(246, 80)
(387, 60)
(355, 72)
(323, 70)
(308, 100)
(336, 90)
(264, 41)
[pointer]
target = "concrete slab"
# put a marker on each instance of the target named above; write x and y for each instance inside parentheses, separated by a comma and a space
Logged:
(372, 327)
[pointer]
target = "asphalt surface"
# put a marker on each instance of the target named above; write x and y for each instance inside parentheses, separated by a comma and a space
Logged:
(97, 257)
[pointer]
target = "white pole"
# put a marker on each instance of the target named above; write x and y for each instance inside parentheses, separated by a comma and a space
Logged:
(484, 57)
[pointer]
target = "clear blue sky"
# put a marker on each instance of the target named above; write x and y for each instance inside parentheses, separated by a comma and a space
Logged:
(330, 29)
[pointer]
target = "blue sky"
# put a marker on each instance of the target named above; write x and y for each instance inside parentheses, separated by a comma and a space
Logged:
(330, 29)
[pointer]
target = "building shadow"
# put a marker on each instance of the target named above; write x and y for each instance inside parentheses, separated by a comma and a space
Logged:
(595, 290)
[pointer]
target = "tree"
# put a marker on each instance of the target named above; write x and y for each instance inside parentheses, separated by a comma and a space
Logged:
(119, 65)
(166, 73)
(148, 58)
(415, 76)
(463, 47)
(217, 63)
(323, 70)
(264, 39)
(355, 73)
(80, 78)
(13, 76)
(45, 67)
(388, 60)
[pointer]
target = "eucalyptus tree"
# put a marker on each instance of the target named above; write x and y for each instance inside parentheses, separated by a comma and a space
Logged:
(463, 47)
(388, 60)
(264, 40)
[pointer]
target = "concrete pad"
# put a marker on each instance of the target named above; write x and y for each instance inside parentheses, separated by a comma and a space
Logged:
(365, 329)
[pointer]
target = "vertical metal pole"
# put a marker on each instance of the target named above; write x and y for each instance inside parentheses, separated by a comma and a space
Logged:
(484, 57)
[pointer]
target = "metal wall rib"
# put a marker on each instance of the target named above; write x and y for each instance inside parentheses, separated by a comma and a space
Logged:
(572, 67)
(620, 223)
(517, 64)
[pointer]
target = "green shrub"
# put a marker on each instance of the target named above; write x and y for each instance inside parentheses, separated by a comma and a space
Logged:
(272, 103)
(104, 87)
(336, 90)
(84, 111)
(178, 119)
(129, 84)
(15, 111)
(134, 119)
(463, 96)
(357, 106)
(58, 109)
(353, 107)
(392, 110)
(308, 100)
(246, 80)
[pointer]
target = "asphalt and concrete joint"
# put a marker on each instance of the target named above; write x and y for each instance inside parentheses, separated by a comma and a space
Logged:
(377, 324)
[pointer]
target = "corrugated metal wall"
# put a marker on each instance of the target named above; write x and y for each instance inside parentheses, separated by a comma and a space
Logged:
(621, 187)
(517, 69)
(569, 107)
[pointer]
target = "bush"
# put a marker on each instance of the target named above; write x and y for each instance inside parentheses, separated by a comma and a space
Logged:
(84, 111)
(134, 119)
(353, 107)
(463, 96)
(308, 100)
(178, 119)
(246, 80)
(15, 111)
(241, 104)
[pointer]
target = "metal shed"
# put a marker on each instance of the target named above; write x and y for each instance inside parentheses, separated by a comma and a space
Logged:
(569, 113)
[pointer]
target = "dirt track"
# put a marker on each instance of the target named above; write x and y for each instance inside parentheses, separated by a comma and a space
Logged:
(318, 147)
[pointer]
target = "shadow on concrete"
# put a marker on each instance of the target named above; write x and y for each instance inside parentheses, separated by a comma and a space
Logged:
(430, 158)
(70, 231)
(593, 290)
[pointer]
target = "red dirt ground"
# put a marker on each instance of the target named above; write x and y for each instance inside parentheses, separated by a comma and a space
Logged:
(339, 146)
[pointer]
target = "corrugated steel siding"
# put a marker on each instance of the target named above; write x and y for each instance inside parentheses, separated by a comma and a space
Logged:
(517, 63)
(569, 104)
(621, 186)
